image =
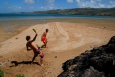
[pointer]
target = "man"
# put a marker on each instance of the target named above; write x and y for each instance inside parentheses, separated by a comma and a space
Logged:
(44, 39)
(31, 45)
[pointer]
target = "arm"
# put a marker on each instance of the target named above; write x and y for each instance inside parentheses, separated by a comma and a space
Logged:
(34, 38)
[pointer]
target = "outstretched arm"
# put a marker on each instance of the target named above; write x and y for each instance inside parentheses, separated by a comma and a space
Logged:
(34, 38)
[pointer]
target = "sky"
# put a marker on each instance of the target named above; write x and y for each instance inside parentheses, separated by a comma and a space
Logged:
(43, 5)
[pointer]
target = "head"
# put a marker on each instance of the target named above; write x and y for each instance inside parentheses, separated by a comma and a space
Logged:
(46, 30)
(28, 38)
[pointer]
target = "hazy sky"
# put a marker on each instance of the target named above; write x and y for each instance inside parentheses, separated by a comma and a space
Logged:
(38, 5)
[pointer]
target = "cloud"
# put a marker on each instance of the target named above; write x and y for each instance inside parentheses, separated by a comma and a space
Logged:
(70, 1)
(49, 2)
(49, 5)
(12, 6)
(29, 1)
(112, 4)
(31, 7)
(42, 7)
(95, 3)
(77, 0)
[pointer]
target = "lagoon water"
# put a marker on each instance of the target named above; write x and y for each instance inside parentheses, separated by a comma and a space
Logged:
(11, 21)
(46, 16)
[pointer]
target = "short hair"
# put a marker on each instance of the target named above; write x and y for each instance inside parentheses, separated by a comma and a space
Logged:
(27, 38)
(46, 30)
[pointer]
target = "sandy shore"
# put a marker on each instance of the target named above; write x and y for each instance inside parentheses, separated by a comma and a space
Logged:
(66, 40)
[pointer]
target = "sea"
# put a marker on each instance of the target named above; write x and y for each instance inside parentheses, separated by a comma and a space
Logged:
(11, 21)
(45, 16)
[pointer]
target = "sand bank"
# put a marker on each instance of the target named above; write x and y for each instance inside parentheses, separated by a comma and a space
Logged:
(65, 41)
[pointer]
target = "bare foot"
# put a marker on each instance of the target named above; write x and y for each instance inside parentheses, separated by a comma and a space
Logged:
(42, 65)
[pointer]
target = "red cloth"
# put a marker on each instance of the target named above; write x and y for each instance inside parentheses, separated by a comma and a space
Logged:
(44, 39)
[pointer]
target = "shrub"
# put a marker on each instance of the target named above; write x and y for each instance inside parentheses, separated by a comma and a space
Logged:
(1, 73)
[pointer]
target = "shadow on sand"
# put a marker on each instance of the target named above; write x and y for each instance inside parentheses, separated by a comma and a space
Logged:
(15, 63)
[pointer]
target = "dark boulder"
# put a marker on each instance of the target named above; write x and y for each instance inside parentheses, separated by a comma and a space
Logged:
(98, 62)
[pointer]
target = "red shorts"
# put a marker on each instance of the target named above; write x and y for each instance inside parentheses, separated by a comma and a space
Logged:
(44, 39)
(39, 52)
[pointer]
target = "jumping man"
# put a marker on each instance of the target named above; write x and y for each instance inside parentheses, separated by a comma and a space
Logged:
(31, 45)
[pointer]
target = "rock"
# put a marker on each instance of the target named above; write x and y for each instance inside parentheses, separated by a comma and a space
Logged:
(55, 56)
(98, 62)
(91, 72)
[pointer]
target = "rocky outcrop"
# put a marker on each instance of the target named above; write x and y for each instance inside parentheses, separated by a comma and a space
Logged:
(98, 62)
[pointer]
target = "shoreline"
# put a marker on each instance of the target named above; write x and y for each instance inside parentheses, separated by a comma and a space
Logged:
(10, 28)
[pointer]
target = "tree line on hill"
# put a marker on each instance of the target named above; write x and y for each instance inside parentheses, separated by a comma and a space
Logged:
(81, 11)
(76, 11)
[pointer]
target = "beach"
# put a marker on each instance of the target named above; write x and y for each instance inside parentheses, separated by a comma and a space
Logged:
(67, 38)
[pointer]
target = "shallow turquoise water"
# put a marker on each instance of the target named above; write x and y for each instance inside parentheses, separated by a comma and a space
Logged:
(42, 16)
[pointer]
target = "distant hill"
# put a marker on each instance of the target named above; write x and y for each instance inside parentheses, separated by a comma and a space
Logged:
(82, 11)
(77, 11)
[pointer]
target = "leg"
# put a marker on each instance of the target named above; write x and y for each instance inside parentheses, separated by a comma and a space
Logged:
(41, 62)
(35, 55)
(44, 45)
(41, 59)
(45, 42)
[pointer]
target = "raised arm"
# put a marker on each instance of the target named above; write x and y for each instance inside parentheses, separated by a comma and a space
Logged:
(34, 38)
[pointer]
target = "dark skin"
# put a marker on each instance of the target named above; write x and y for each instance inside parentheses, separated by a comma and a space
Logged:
(31, 45)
